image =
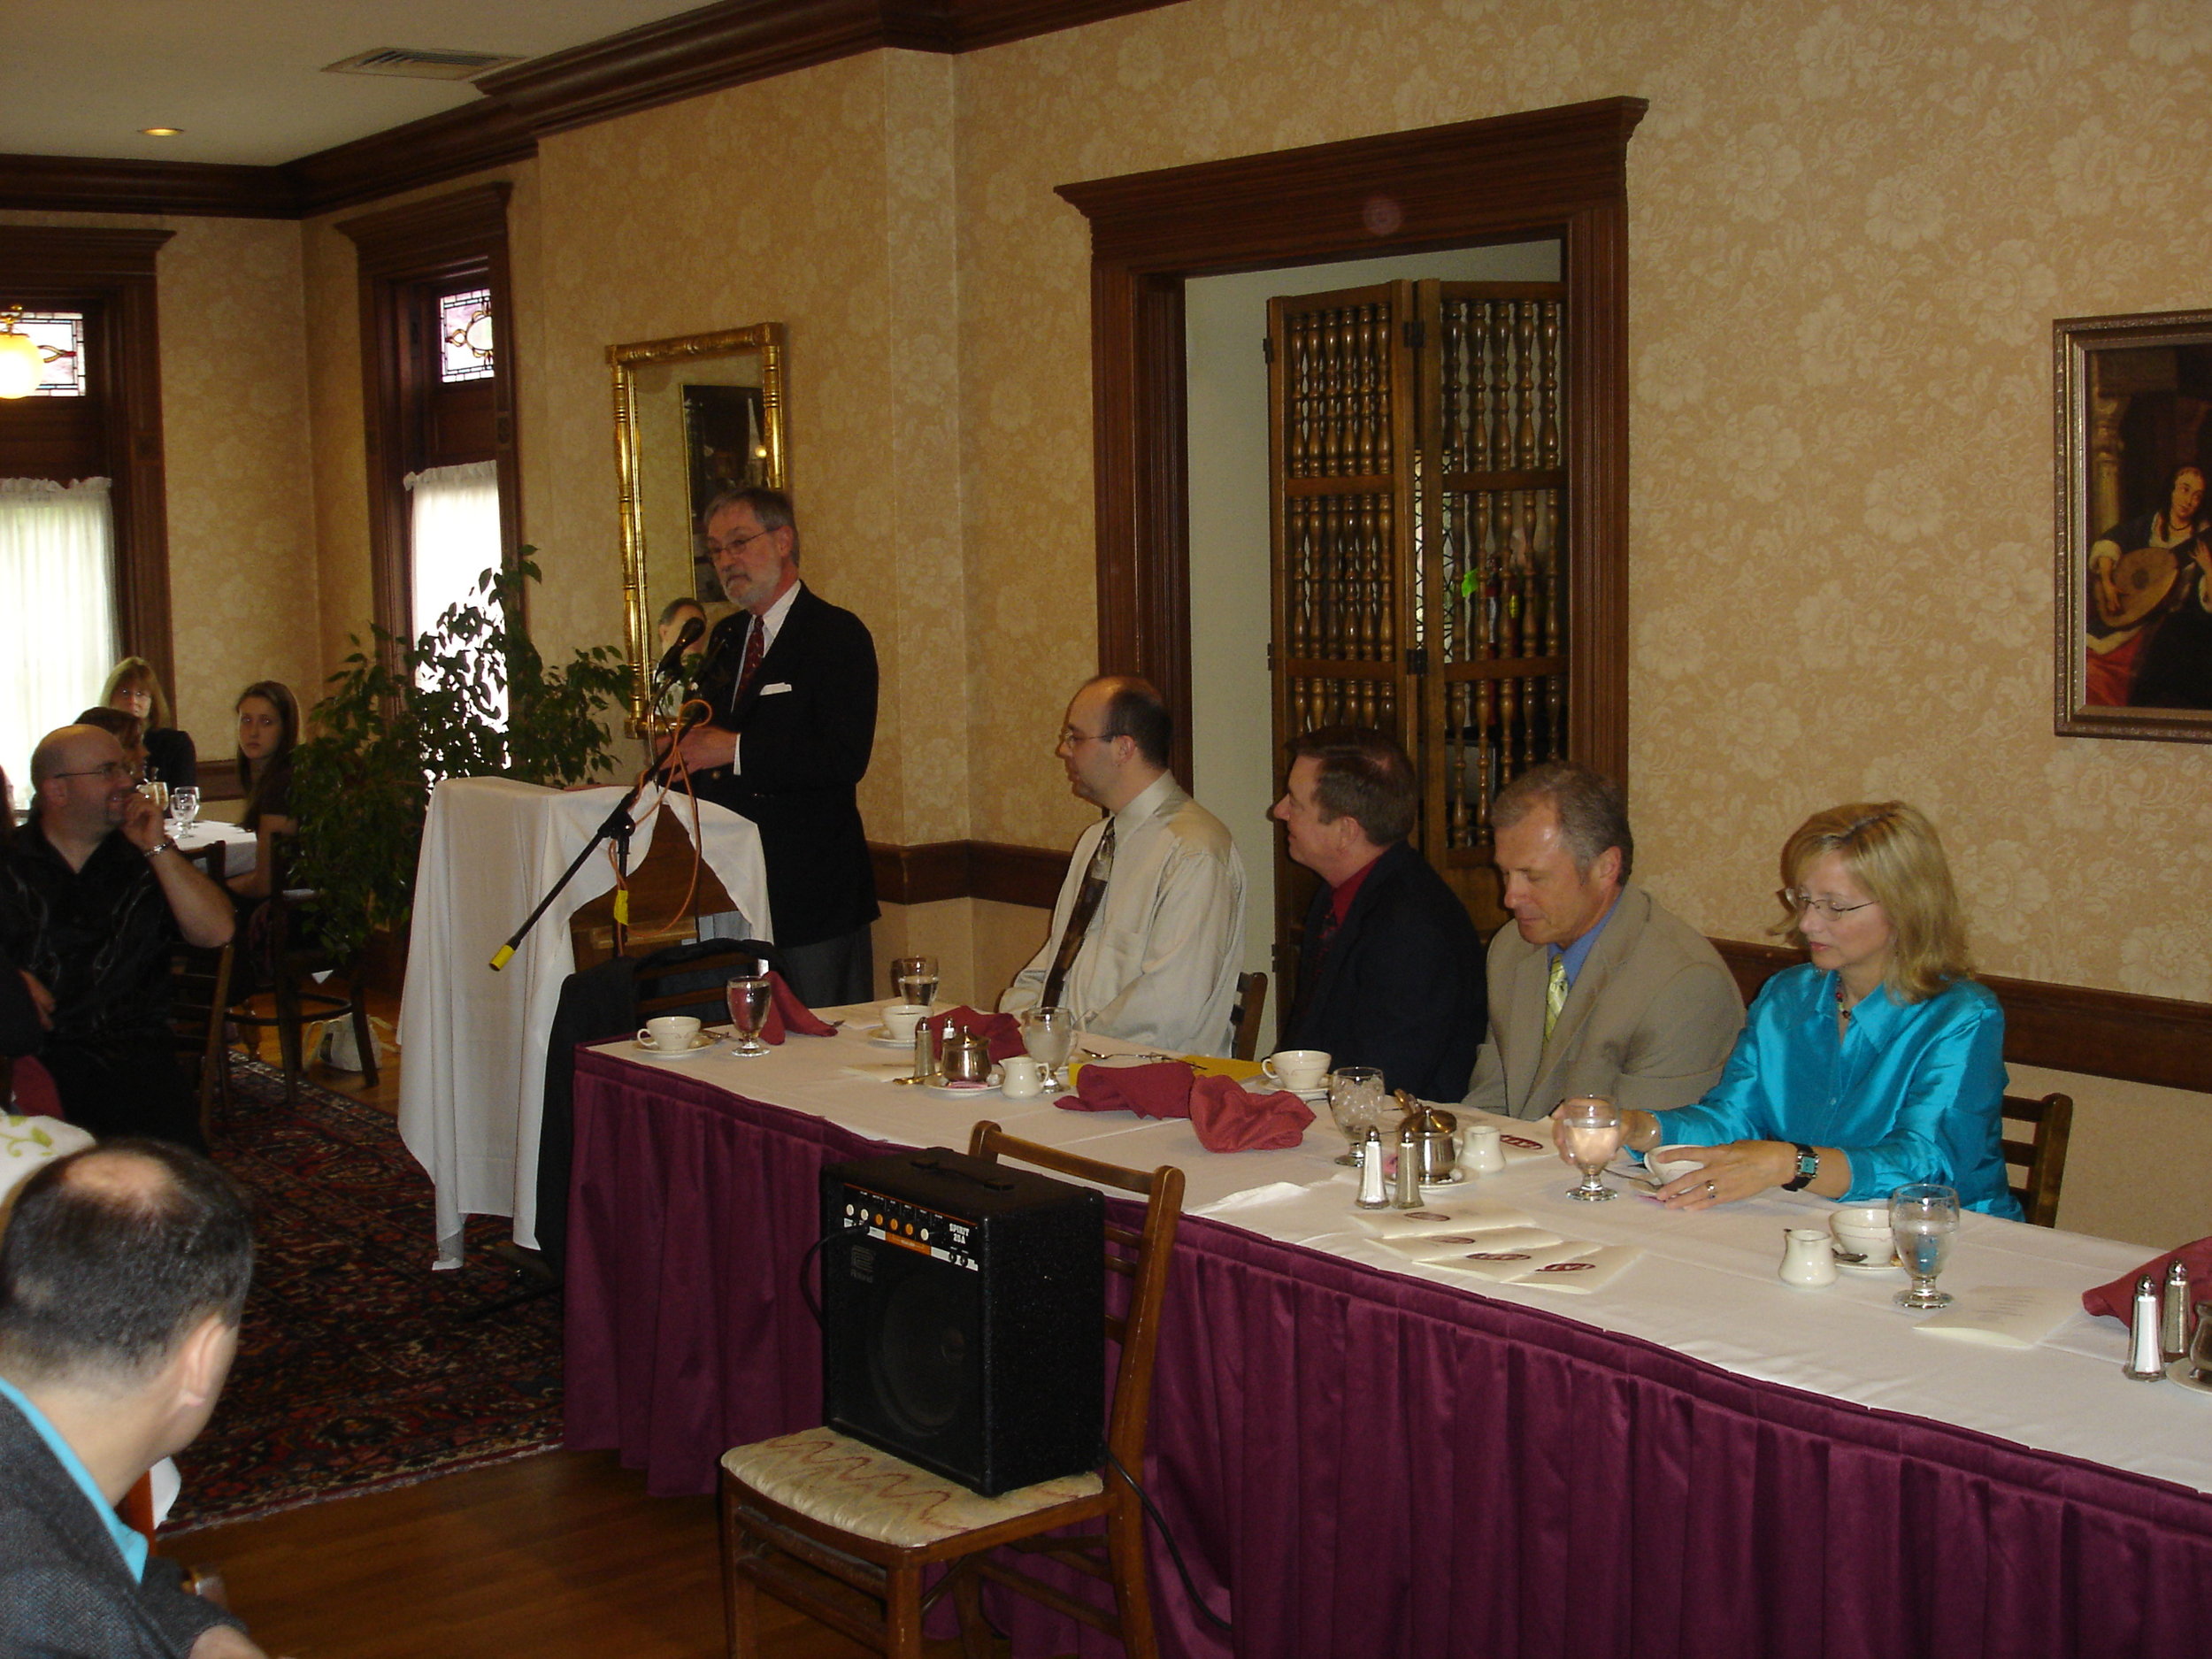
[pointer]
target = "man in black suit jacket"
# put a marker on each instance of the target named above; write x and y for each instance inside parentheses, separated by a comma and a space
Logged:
(792, 681)
(1390, 974)
(122, 1274)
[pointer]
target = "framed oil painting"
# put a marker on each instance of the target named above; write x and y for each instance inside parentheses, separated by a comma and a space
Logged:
(2134, 564)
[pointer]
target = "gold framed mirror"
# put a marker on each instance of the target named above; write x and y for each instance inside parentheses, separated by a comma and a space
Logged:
(693, 415)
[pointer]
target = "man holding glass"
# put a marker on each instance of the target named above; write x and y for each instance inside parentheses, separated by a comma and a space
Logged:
(1596, 988)
(1148, 929)
(93, 897)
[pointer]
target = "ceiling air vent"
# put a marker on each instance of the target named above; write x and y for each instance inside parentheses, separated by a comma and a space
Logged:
(417, 65)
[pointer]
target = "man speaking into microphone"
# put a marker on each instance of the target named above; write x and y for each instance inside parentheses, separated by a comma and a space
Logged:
(791, 682)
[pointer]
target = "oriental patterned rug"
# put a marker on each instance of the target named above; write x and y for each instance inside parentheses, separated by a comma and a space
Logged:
(358, 1368)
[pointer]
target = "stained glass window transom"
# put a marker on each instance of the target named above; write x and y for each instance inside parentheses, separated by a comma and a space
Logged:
(465, 336)
(59, 338)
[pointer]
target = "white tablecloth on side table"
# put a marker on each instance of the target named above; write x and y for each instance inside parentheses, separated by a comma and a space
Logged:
(474, 1079)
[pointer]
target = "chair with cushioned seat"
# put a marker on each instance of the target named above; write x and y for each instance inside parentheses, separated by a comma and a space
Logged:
(845, 1532)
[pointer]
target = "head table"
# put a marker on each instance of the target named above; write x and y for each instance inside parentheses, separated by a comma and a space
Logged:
(1360, 1455)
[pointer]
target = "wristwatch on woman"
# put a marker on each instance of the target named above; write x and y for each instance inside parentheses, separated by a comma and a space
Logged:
(1807, 1166)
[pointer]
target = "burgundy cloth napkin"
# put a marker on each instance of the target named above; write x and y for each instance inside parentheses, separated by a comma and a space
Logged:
(2117, 1299)
(1162, 1090)
(1231, 1118)
(1002, 1032)
(785, 1010)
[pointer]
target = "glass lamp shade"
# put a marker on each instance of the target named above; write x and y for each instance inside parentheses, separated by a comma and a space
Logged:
(22, 365)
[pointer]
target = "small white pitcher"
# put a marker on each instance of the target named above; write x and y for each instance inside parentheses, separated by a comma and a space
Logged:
(1808, 1257)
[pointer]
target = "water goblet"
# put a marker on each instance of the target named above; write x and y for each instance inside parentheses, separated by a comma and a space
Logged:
(916, 978)
(1923, 1218)
(1590, 1129)
(1356, 1094)
(184, 806)
(750, 997)
(1049, 1034)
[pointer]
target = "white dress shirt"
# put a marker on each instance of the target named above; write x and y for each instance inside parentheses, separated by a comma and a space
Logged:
(1159, 961)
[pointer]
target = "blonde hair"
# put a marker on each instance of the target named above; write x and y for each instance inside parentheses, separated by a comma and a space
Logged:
(138, 674)
(1894, 852)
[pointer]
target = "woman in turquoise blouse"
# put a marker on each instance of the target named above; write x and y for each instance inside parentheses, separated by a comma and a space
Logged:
(1877, 1062)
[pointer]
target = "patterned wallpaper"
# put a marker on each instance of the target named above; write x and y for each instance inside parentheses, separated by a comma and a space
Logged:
(241, 548)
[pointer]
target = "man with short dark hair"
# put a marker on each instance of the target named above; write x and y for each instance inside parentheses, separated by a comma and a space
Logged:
(1148, 930)
(1595, 989)
(123, 1272)
(792, 681)
(1390, 970)
(92, 898)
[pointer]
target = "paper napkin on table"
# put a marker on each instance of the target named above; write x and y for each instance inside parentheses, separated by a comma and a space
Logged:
(1468, 1215)
(1503, 1267)
(1581, 1275)
(2001, 1316)
(1438, 1245)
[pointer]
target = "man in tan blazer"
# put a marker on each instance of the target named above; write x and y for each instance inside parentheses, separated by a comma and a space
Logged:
(1595, 989)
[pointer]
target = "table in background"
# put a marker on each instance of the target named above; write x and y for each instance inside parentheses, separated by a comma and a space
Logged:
(240, 846)
(1378, 1462)
(475, 1077)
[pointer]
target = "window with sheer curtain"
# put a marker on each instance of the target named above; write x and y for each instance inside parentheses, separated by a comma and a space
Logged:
(455, 525)
(57, 610)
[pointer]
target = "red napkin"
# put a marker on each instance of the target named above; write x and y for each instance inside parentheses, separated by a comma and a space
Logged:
(1002, 1032)
(2117, 1299)
(1229, 1119)
(1162, 1090)
(785, 1009)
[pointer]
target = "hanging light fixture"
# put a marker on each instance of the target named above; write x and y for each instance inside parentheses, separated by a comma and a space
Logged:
(22, 362)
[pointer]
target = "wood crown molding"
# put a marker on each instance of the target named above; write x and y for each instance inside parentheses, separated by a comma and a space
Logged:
(466, 225)
(704, 51)
(2060, 1027)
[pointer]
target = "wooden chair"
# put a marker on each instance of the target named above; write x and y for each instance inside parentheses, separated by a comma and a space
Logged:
(2042, 1156)
(862, 1573)
(1244, 1018)
(292, 956)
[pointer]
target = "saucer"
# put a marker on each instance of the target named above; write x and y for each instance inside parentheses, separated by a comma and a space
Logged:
(700, 1044)
(881, 1035)
(2179, 1371)
(1871, 1269)
(1456, 1179)
(959, 1091)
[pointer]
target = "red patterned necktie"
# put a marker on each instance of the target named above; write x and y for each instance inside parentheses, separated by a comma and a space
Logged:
(756, 647)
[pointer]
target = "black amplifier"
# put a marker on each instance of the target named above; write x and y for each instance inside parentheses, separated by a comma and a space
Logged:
(963, 1317)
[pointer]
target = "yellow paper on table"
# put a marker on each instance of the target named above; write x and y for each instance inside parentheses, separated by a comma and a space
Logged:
(1201, 1065)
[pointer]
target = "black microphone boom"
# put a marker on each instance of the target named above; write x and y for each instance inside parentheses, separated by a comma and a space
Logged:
(669, 664)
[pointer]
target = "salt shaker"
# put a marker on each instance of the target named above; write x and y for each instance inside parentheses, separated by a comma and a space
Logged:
(2143, 1362)
(1408, 1194)
(1371, 1173)
(2173, 1325)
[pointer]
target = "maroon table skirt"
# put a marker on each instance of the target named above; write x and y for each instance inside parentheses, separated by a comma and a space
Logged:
(1357, 1463)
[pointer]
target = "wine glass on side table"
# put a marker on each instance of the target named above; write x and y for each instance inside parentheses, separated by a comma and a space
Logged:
(748, 996)
(184, 806)
(1923, 1218)
(1590, 1125)
(916, 979)
(1355, 1096)
(1049, 1034)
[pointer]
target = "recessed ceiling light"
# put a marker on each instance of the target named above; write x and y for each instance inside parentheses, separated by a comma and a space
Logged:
(163, 132)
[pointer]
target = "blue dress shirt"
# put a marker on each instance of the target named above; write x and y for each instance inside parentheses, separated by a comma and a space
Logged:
(126, 1540)
(1911, 1092)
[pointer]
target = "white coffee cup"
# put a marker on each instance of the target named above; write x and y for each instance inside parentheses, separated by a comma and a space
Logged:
(899, 1019)
(1863, 1230)
(1668, 1164)
(671, 1033)
(1021, 1078)
(1296, 1068)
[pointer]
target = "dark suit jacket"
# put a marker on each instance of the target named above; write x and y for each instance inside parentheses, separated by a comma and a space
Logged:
(803, 752)
(1401, 986)
(64, 1590)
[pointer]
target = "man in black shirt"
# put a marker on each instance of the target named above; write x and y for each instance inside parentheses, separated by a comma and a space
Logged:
(93, 897)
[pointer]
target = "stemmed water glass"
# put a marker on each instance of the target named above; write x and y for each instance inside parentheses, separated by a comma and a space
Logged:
(749, 996)
(184, 806)
(915, 978)
(1049, 1034)
(1590, 1130)
(1923, 1218)
(1356, 1098)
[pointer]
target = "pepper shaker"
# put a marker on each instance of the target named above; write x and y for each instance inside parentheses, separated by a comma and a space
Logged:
(1371, 1173)
(2173, 1326)
(924, 1055)
(2143, 1362)
(1409, 1194)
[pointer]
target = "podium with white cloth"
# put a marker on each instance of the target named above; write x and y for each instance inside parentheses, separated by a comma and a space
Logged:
(474, 1041)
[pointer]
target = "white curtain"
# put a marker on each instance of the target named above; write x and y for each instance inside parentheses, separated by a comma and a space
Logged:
(455, 535)
(57, 610)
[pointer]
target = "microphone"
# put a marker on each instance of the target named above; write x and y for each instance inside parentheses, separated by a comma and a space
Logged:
(671, 662)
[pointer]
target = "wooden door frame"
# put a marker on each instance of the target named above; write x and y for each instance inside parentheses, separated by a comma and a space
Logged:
(1559, 172)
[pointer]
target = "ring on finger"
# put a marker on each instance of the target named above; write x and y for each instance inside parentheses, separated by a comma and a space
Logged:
(1711, 1191)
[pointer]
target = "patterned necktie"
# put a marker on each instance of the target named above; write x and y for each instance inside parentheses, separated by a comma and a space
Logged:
(1554, 995)
(756, 647)
(1086, 900)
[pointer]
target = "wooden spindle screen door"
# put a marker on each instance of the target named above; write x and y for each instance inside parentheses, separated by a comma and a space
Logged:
(1419, 496)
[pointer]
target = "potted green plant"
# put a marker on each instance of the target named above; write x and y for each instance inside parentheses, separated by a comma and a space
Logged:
(400, 716)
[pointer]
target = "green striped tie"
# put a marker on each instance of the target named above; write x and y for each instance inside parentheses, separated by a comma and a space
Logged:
(1554, 995)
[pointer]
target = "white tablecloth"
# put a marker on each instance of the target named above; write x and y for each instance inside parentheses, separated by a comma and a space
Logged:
(241, 846)
(474, 1079)
(1705, 1285)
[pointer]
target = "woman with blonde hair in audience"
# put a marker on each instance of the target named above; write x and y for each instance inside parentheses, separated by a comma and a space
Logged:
(268, 731)
(133, 687)
(1879, 1062)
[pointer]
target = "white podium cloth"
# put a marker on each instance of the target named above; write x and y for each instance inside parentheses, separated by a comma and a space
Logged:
(474, 1083)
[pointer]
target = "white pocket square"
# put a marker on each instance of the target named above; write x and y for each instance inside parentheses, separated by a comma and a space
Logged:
(770, 691)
